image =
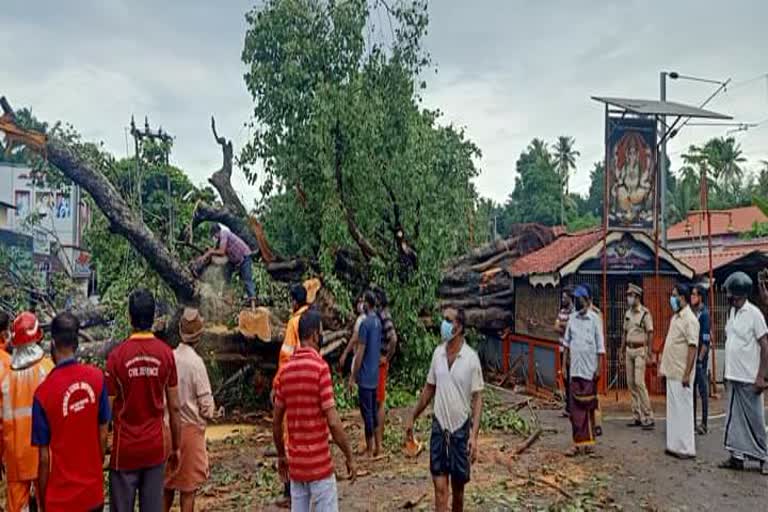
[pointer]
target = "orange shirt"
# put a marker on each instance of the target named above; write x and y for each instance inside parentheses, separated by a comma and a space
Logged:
(290, 340)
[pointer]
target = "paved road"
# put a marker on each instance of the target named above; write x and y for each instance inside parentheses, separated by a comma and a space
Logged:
(644, 478)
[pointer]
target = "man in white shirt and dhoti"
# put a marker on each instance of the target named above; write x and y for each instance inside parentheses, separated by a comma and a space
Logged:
(746, 366)
(677, 365)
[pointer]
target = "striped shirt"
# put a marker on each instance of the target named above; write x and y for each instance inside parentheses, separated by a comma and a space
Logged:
(304, 388)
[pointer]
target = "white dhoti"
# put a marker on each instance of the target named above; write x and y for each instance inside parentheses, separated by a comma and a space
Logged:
(680, 431)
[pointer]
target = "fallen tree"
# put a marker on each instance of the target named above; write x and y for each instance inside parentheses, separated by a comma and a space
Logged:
(480, 281)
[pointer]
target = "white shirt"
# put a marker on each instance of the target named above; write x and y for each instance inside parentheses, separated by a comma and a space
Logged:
(454, 386)
(742, 352)
(584, 338)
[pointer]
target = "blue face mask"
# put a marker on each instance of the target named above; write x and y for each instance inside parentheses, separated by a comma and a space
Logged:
(675, 303)
(446, 330)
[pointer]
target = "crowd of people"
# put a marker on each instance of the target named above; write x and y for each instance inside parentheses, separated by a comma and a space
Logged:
(57, 412)
(684, 364)
(305, 412)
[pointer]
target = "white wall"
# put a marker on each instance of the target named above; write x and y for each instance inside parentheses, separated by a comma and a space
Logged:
(62, 221)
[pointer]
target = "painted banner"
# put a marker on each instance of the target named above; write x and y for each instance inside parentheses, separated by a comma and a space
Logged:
(632, 174)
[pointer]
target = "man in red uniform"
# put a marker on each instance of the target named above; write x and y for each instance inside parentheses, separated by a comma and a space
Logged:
(141, 376)
(28, 369)
(70, 415)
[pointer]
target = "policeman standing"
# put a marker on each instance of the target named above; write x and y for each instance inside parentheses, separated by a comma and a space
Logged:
(636, 345)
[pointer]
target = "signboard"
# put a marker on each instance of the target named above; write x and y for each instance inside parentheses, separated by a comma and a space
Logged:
(40, 242)
(628, 256)
(631, 174)
(82, 263)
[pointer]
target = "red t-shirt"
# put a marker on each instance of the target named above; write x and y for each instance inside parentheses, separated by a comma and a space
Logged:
(69, 406)
(305, 389)
(139, 371)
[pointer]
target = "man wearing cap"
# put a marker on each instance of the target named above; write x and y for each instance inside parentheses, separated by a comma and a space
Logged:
(746, 366)
(196, 407)
(28, 369)
(636, 344)
(584, 346)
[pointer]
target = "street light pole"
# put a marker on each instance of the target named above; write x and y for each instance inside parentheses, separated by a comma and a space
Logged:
(663, 164)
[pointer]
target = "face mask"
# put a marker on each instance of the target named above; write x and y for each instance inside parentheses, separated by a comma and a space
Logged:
(630, 301)
(446, 330)
(674, 302)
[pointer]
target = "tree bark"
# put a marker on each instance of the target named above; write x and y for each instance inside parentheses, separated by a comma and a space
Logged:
(222, 179)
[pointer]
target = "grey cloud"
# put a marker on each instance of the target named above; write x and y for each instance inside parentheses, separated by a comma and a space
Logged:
(509, 70)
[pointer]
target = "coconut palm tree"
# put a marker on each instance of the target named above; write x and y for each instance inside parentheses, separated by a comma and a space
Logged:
(565, 158)
(565, 161)
(724, 157)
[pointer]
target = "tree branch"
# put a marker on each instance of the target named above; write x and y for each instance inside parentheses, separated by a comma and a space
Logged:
(222, 179)
(237, 224)
(365, 246)
(122, 219)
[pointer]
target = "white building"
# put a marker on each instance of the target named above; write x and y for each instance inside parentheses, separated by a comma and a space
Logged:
(57, 226)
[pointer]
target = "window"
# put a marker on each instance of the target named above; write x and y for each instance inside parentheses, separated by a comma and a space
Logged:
(23, 199)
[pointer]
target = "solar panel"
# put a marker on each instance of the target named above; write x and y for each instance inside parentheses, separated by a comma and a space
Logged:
(659, 108)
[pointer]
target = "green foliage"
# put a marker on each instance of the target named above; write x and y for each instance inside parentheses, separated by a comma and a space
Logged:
(18, 279)
(536, 197)
(498, 416)
(119, 267)
(343, 142)
(596, 196)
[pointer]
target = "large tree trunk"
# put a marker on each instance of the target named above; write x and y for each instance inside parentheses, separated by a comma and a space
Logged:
(480, 283)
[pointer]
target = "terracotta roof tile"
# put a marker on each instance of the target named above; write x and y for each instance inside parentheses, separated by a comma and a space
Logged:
(555, 255)
(722, 256)
(740, 220)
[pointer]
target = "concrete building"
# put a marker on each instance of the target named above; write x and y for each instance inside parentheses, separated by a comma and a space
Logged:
(55, 219)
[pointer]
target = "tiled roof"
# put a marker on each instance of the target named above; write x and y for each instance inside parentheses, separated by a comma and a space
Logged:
(722, 256)
(555, 255)
(735, 220)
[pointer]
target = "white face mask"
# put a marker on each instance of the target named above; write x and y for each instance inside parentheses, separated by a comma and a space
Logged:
(630, 300)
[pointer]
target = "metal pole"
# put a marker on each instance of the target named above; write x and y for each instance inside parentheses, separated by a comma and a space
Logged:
(711, 295)
(663, 164)
(603, 388)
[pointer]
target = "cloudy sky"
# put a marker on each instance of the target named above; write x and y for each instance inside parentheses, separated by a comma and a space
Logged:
(508, 70)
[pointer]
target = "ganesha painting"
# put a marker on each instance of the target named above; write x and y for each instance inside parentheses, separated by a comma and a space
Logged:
(631, 178)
